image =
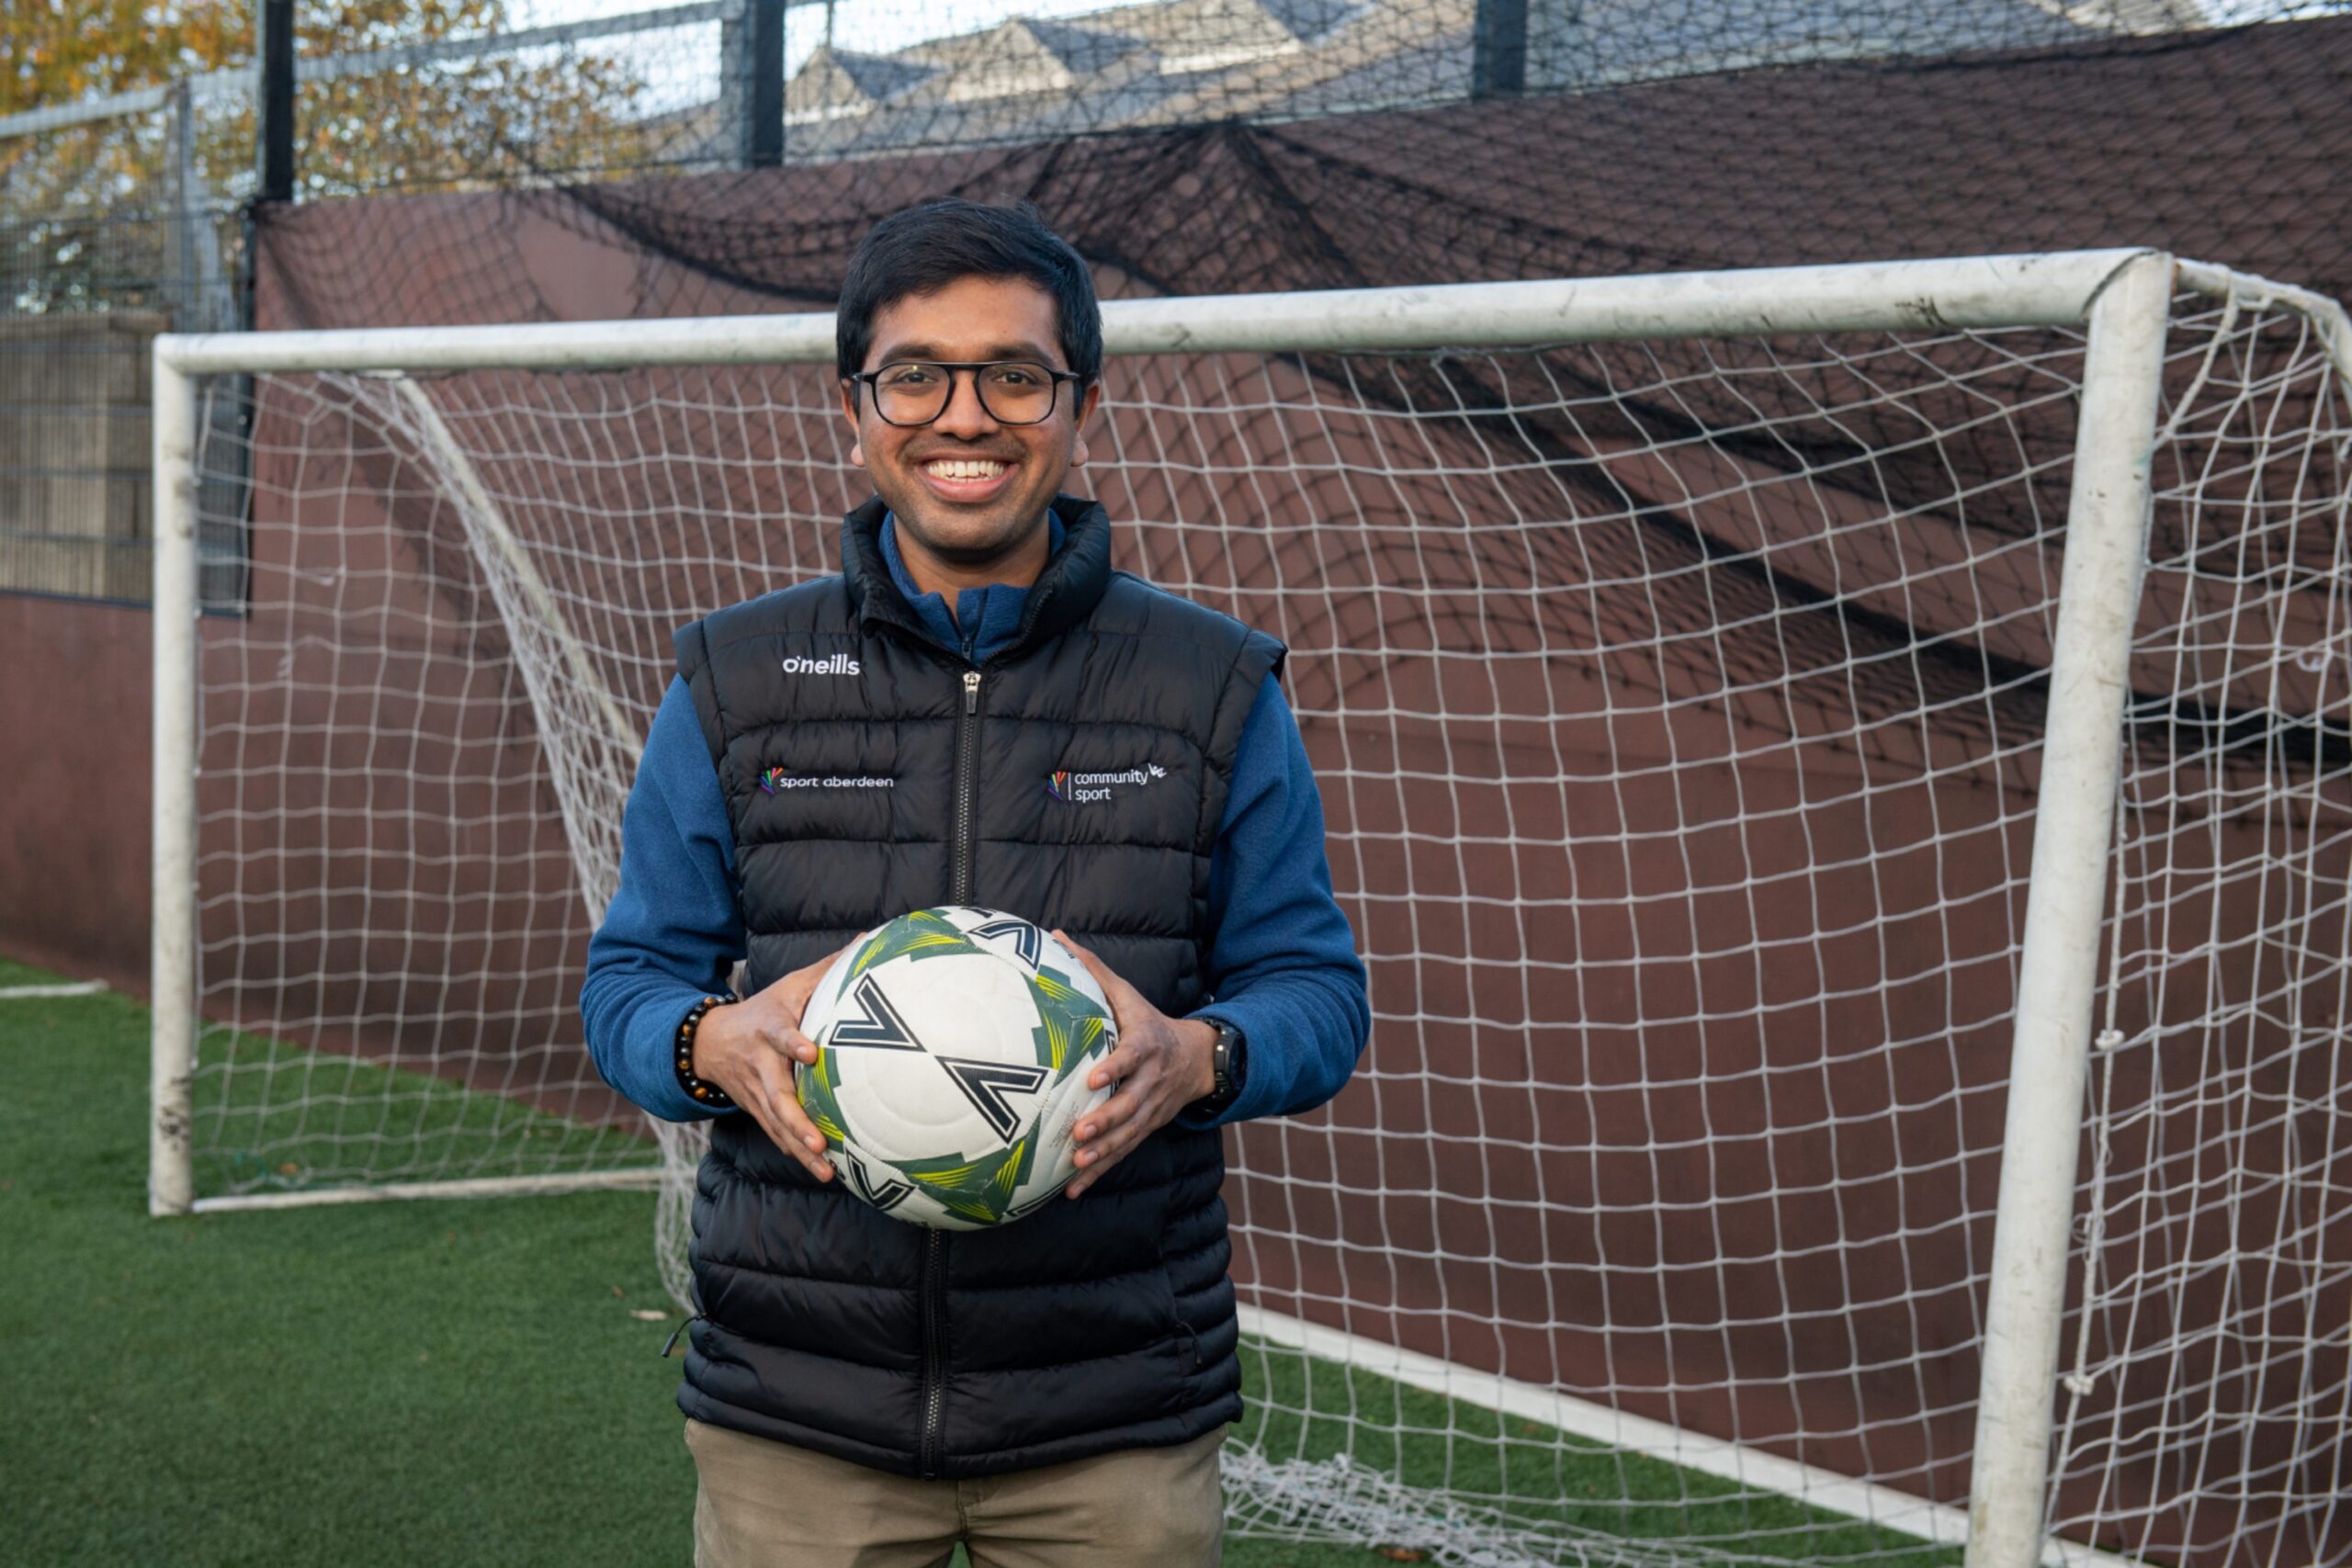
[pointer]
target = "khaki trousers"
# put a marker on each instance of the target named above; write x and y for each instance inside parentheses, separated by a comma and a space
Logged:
(759, 1503)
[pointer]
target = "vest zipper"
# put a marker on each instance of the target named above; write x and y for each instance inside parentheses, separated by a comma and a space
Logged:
(967, 792)
(934, 1349)
(934, 1258)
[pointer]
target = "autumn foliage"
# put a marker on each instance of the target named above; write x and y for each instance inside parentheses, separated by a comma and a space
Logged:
(85, 211)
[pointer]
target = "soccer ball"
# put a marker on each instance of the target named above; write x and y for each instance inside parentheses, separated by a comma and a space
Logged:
(953, 1047)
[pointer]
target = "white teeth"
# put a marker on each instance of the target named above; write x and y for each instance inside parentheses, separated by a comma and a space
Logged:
(964, 469)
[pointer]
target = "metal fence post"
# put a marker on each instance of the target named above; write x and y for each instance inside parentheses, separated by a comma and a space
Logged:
(274, 102)
(1498, 49)
(763, 98)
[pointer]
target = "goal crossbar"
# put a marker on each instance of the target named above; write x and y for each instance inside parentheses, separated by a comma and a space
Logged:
(2045, 290)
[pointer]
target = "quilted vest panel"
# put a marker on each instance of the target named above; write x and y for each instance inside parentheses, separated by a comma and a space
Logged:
(866, 773)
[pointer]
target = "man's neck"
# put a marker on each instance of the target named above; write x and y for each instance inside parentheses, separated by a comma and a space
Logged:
(1020, 568)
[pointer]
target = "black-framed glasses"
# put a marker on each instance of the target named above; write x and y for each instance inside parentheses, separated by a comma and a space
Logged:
(1013, 392)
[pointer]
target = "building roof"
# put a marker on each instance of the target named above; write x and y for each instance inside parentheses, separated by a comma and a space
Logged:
(1171, 62)
(839, 80)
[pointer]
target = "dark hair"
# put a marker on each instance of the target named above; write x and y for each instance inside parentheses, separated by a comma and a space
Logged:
(924, 249)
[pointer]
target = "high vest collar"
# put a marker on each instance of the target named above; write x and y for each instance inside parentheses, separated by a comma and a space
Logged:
(1063, 594)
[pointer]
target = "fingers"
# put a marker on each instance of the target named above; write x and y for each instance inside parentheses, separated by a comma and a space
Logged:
(1099, 1128)
(1105, 1134)
(777, 1110)
(791, 994)
(773, 1019)
(1094, 966)
(788, 1039)
(1109, 1146)
(1118, 1063)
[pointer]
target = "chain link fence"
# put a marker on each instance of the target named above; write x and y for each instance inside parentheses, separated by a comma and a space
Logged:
(127, 214)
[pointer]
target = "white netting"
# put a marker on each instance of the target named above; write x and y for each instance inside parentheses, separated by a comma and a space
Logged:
(1677, 708)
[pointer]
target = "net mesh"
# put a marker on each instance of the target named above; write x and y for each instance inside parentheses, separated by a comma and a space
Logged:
(1678, 709)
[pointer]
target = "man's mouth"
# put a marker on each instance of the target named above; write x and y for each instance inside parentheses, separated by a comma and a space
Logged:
(964, 468)
(965, 479)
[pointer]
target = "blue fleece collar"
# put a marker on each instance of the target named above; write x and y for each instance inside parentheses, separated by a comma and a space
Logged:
(986, 618)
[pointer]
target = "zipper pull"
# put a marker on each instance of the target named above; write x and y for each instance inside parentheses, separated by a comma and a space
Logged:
(971, 691)
(674, 1337)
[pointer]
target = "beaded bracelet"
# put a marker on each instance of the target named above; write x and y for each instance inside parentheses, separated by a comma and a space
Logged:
(708, 1093)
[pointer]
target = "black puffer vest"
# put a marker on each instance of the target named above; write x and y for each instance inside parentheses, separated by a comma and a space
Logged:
(1087, 1326)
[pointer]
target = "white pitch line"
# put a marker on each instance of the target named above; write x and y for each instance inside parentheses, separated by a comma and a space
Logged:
(1939, 1523)
(72, 988)
(469, 1187)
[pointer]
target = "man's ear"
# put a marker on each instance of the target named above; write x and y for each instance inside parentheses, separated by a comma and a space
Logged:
(1087, 404)
(849, 411)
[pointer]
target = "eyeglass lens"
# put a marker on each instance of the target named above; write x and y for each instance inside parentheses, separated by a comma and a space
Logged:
(916, 392)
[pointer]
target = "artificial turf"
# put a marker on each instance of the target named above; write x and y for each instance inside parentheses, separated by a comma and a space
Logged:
(472, 1381)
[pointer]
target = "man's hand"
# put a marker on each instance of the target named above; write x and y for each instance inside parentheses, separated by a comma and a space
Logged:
(1161, 1065)
(748, 1048)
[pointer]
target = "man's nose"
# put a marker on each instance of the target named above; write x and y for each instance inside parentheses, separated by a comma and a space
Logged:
(965, 415)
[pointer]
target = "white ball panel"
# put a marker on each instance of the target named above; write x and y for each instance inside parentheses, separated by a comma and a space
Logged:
(904, 1106)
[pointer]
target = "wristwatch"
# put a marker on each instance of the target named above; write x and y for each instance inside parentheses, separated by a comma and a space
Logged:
(1230, 1061)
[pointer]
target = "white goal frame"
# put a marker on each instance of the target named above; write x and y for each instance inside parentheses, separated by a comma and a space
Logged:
(2119, 297)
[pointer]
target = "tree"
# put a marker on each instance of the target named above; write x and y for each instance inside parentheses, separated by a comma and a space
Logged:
(92, 216)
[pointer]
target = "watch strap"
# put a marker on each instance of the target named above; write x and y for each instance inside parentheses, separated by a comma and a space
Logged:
(1230, 1058)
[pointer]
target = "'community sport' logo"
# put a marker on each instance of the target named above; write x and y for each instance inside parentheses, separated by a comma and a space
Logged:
(839, 664)
(1078, 789)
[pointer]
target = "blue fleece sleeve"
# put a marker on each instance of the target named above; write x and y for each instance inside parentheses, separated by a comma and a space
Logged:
(674, 933)
(1283, 965)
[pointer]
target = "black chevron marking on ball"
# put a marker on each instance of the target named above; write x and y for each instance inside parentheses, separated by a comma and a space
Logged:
(1024, 937)
(1035, 1203)
(877, 1024)
(884, 1195)
(986, 1084)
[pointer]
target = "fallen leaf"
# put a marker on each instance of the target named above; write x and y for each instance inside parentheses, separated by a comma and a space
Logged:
(648, 1315)
(289, 1169)
(617, 1293)
(1402, 1554)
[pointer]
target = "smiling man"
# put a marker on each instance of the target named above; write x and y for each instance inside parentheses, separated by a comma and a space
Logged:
(975, 710)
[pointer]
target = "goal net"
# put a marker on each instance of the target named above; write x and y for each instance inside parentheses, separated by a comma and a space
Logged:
(1686, 669)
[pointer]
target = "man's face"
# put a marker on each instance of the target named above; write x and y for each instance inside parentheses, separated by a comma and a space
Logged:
(969, 489)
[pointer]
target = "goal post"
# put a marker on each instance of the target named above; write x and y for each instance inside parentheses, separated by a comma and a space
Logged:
(1705, 646)
(2090, 666)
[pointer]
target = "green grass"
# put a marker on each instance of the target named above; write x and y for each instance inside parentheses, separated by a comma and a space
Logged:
(1550, 1477)
(272, 1117)
(447, 1383)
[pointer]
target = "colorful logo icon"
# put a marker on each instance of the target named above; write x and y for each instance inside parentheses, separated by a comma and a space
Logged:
(1074, 789)
(773, 780)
